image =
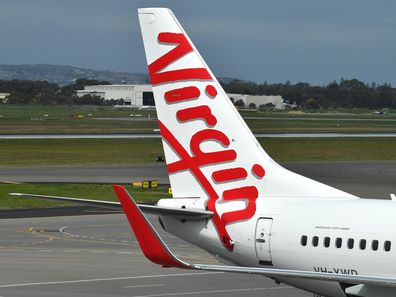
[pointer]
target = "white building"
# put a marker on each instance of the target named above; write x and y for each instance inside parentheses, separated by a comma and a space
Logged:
(134, 95)
(257, 101)
(142, 95)
(3, 97)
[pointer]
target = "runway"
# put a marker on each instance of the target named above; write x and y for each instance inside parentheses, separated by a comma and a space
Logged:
(364, 179)
(98, 256)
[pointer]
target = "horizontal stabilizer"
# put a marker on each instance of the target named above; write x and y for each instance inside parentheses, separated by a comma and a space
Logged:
(179, 213)
(157, 251)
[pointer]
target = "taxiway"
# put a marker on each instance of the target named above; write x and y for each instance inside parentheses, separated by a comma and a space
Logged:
(84, 256)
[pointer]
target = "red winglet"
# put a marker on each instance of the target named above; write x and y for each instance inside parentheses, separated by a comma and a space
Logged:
(150, 242)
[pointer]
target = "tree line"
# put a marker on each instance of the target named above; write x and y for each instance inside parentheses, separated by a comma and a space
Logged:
(343, 94)
(45, 93)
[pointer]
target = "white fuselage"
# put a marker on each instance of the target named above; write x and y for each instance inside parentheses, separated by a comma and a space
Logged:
(345, 236)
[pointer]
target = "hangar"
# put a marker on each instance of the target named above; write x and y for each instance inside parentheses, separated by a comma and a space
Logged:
(133, 95)
(255, 101)
(142, 95)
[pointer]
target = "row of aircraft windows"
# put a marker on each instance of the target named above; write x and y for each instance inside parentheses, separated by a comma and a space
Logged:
(350, 243)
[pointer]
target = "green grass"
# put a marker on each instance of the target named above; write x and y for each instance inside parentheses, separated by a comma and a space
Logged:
(61, 119)
(23, 152)
(64, 119)
(128, 151)
(40, 152)
(88, 191)
(330, 149)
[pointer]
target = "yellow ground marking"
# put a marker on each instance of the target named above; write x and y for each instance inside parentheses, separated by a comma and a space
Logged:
(42, 234)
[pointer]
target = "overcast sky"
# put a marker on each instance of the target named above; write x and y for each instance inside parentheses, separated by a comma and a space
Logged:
(313, 41)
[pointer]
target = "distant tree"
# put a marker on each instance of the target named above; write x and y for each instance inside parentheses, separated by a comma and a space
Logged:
(239, 103)
(311, 103)
(347, 93)
(267, 107)
(88, 100)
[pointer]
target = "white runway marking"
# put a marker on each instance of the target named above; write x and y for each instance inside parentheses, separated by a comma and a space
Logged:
(213, 292)
(61, 230)
(142, 286)
(106, 279)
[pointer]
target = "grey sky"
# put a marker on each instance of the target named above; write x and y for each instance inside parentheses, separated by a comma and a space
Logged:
(301, 40)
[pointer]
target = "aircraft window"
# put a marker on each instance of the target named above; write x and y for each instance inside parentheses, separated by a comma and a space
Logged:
(351, 243)
(326, 242)
(362, 244)
(387, 246)
(338, 242)
(374, 245)
(304, 240)
(315, 241)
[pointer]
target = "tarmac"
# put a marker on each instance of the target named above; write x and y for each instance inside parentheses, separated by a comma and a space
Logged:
(97, 255)
(364, 179)
(93, 256)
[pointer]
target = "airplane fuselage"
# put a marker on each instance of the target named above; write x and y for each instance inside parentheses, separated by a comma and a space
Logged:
(336, 236)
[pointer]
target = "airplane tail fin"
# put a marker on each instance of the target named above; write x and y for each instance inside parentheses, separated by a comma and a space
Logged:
(210, 152)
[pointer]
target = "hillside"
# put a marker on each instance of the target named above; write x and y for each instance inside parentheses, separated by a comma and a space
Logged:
(65, 75)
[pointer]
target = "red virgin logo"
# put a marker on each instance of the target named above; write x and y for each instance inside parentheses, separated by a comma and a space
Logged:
(192, 162)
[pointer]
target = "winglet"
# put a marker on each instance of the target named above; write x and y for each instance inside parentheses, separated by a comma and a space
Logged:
(149, 240)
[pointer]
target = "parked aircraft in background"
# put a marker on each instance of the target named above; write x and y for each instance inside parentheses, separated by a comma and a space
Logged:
(232, 200)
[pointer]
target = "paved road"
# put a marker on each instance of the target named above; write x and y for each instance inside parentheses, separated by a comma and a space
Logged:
(365, 179)
(95, 256)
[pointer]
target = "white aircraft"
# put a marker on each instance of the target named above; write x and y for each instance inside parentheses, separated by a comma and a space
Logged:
(232, 200)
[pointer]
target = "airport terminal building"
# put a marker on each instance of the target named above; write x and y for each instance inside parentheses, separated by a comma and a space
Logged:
(142, 95)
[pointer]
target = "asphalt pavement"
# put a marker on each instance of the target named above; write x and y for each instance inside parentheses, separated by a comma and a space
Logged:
(97, 255)
(93, 256)
(365, 179)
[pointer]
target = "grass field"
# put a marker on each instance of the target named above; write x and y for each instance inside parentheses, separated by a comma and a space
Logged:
(37, 152)
(69, 119)
(78, 151)
(89, 191)
(40, 152)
